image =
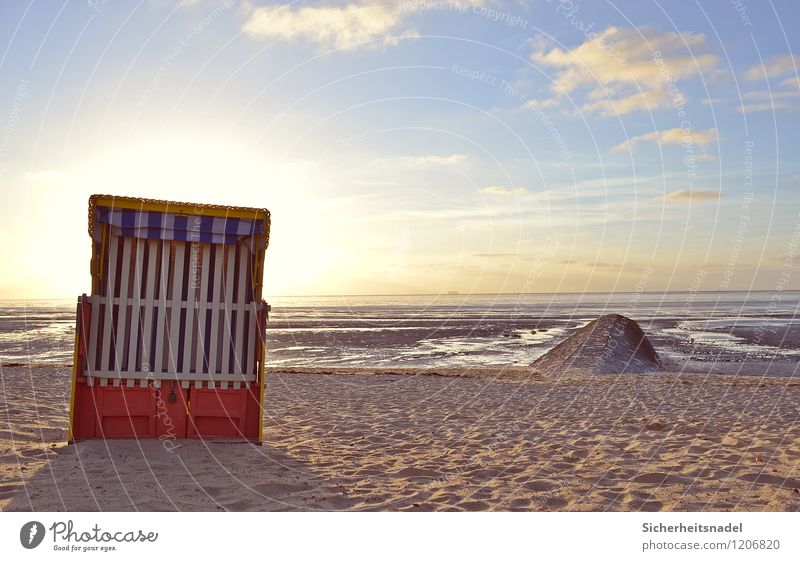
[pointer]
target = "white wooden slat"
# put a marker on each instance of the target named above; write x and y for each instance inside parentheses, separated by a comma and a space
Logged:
(190, 336)
(198, 384)
(237, 385)
(121, 339)
(215, 311)
(117, 382)
(228, 331)
(163, 283)
(149, 304)
(223, 385)
(185, 384)
(251, 339)
(103, 382)
(136, 330)
(239, 358)
(201, 323)
(175, 318)
(111, 277)
(130, 382)
(94, 335)
(90, 381)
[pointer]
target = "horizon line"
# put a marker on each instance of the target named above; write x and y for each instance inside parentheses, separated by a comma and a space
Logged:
(474, 294)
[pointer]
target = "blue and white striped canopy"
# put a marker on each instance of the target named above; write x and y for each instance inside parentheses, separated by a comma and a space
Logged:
(151, 225)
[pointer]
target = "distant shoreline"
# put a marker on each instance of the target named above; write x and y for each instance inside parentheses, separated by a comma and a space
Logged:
(461, 294)
(512, 372)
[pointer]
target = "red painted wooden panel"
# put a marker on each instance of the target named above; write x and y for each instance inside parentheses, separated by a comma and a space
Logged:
(123, 412)
(218, 413)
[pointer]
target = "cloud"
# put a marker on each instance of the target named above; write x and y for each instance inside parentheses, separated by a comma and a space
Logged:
(494, 255)
(700, 138)
(775, 66)
(756, 107)
(767, 95)
(451, 160)
(771, 100)
(693, 195)
(613, 266)
(441, 5)
(502, 190)
(411, 164)
(626, 70)
(792, 82)
(347, 27)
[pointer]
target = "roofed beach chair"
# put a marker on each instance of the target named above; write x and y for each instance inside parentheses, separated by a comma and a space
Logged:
(170, 343)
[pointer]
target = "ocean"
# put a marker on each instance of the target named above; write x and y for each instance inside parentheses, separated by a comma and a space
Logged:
(749, 332)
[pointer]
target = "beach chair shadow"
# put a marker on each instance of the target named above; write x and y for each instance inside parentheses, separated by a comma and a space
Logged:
(193, 475)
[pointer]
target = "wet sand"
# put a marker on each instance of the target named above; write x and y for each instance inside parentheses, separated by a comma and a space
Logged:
(484, 439)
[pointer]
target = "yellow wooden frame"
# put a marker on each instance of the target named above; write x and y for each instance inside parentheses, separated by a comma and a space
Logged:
(74, 378)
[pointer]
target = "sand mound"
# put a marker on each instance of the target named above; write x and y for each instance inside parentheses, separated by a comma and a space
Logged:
(609, 344)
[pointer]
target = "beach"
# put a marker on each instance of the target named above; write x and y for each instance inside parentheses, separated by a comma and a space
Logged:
(425, 439)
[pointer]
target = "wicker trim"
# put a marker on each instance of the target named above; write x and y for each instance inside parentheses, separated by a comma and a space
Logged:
(138, 200)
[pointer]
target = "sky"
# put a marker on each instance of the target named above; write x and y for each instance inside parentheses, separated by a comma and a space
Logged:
(415, 147)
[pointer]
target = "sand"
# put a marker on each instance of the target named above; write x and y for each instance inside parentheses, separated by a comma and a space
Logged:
(430, 440)
(610, 344)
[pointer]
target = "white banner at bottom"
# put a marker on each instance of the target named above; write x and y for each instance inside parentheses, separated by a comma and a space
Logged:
(389, 536)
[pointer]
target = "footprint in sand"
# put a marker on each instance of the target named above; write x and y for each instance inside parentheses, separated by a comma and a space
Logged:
(774, 480)
(519, 504)
(473, 506)
(659, 478)
(552, 503)
(541, 486)
(647, 506)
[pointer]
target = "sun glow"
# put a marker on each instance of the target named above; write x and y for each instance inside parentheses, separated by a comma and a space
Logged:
(185, 168)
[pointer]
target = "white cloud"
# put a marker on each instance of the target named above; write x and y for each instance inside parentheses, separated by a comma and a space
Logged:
(793, 82)
(757, 107)
(543, 103)
(775, 66)
(502, 190)
(699, 138)
(451, 160)
(783, 97)
(769, 100)
(692, 195)
(348, 27)
(440, 5)
(626, 70)
(765, 95)
(412, 163)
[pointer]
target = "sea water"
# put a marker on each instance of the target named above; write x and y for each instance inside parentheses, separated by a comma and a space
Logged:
(690, 330)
